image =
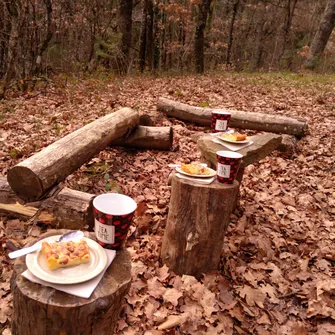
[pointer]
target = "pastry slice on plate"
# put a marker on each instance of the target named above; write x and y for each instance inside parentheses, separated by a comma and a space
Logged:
(65, 254)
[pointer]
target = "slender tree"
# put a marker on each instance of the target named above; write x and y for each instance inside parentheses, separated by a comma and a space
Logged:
(231, 31)
(199, 39)
(322, 35)
(125, 27)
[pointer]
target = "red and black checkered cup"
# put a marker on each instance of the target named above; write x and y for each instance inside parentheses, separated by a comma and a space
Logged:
(113, 214)
(228, 163)
(220, 121)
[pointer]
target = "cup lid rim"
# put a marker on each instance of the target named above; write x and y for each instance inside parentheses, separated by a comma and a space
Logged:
(221, 112)
(229, 154)
(131, 202)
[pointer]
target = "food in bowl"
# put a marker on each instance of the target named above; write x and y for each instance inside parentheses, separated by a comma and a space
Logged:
(65, 254)
(195, 168)
(235, 136)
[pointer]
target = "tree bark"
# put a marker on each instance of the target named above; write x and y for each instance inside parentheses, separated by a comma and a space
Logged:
(42, 310)
(34, 176)
(156, 138)
(14, 10)
(231, 32)
(143, 40)
(322, 35)
(199, 38)
(47, 38)
(290, 8)
(125, 26)
(197, 221)
(67, 208)
(239, 119)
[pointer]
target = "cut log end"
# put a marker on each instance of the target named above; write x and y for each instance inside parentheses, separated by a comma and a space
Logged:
(25, 183)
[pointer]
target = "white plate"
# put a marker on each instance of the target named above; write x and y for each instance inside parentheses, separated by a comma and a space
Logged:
(231, 141)
(38, 266)
(212, 173)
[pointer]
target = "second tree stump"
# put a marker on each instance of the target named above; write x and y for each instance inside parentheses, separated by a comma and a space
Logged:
(199, 215)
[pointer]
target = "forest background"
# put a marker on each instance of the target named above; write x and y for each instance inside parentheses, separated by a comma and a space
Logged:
(44, 37)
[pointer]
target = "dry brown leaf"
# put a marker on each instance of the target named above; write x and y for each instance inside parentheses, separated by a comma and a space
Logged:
(172, 295)
(252, 296)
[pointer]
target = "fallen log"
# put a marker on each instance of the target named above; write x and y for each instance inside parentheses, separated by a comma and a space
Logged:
(68, 208)
(34, 176)
(239, 119)
(142, 137)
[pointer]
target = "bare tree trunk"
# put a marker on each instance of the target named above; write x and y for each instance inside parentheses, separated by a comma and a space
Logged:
(13, 8)
(287, 25)
(143, 40)
(231, 32)
(150, 33)
(322, 35)
(125, 26)
(203, 10)
(47, 38)
(259, 46)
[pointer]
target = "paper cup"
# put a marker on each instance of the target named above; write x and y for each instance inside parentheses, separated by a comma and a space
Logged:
(220, 121)
(113, 214)
(228, 163)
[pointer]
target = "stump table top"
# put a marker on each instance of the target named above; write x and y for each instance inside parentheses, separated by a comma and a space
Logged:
(117, 275)
(263, 145)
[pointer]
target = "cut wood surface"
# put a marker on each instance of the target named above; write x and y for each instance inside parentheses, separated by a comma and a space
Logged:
(142, 137)
(27, 211)
(41, 310)
(263, 145)
(67, 209)
(197, 221)
(34, 176)
(239, 119)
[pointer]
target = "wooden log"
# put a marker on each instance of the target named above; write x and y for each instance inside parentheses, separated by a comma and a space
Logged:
(41, 310)
(197, 221)
(239, 119)
(142, 137)
(263, 145)
(68, 208)
(34, 176)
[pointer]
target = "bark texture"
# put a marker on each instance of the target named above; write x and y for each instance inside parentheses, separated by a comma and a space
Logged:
(322, 35)
(159, 138)
(239, 119)
(199, 38)
(40, 310)
(33, 177)
(67, 208)
(197, 221)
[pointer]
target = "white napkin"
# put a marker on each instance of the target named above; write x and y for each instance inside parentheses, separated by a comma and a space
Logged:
(233, 146)
(198, 180)
(83, 290)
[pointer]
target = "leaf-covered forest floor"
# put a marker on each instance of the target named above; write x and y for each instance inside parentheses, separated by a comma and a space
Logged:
(277, 273)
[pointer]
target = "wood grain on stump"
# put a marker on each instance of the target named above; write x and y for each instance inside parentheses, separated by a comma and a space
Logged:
(197, 221)
(41, 310)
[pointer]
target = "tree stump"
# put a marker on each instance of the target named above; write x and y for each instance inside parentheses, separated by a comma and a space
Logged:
(41, 310)
(197, 221)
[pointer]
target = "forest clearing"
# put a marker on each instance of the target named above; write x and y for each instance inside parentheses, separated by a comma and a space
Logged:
(276, 274)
